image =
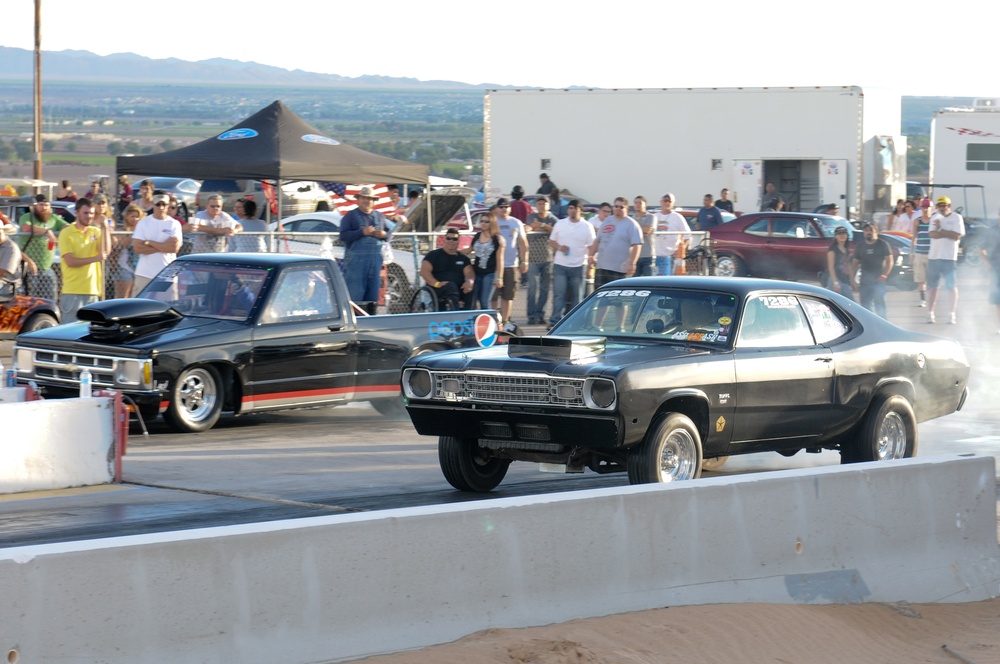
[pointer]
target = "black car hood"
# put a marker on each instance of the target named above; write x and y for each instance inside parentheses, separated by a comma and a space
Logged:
(566, 356)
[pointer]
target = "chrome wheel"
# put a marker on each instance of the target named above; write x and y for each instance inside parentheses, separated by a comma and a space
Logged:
(891, 437)
(729, 266)
(196, 400)
(677, 457)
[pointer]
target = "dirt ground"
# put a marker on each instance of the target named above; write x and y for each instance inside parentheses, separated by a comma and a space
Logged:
(838, 634)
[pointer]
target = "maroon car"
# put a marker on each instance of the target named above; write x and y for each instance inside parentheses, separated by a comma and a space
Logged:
(787, 245)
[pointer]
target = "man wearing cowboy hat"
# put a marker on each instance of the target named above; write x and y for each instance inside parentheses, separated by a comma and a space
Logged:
(363, 231)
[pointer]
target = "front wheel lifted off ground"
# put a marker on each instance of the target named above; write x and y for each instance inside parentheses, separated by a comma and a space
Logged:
(670, 453)
(469, 467)
(889, 431)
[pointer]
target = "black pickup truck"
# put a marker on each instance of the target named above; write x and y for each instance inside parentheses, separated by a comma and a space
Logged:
(242, 333)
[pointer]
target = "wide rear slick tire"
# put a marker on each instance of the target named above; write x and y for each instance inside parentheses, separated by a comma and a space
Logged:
(889, 431)
(670, 453)
(468, 467)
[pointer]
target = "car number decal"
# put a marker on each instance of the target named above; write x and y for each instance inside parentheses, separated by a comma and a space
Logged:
(623, 293)
(779, 301)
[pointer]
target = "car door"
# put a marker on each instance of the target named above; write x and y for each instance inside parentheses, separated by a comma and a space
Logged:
(784, 379)
(796, 247)
(304, 347)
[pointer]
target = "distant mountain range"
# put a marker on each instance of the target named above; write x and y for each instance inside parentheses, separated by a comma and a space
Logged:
(18, 64)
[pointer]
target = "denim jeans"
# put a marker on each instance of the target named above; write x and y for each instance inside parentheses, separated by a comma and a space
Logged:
(567, 287)
(664, 266)
(483, 290)
(539, 276)
(644, 267)
(871, 296)
(363, 271)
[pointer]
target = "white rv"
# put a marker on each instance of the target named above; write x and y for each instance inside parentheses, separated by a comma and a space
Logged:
(818, 145)
(965, 149)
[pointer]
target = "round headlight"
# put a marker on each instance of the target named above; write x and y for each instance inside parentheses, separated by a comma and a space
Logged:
(418, 383)
(600, 393)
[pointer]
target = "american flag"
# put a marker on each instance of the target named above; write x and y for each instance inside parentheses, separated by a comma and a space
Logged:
(343, 197)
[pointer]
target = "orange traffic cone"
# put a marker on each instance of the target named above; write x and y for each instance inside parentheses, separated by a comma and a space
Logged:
(680, 264)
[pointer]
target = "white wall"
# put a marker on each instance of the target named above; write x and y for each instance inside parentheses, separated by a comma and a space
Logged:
(56, 444)
(346, 586)
(607, 143)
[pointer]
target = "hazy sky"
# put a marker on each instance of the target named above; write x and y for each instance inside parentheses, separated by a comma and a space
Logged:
(915, 48)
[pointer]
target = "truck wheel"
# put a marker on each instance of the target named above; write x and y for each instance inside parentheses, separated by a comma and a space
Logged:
(391, 408)
(195, 401)
(670, 453)
(889, 431)
(468, 467)
(714, 463)
(39, 321)
(730, 266)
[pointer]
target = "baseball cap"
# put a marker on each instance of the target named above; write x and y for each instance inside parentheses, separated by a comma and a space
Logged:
(840, 229)
(41, 198)
(926, 203)
(944, 200)
(502, 201)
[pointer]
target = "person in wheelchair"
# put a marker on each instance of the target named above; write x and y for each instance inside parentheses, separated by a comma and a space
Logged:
(450, 274)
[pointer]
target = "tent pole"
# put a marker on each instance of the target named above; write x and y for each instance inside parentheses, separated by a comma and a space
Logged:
(430, 210)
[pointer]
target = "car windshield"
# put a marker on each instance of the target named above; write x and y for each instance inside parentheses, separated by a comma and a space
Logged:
(655, 313)
(830, 224)
(210, 291)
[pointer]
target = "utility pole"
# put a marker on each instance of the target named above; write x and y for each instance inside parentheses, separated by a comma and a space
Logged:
(38, 89)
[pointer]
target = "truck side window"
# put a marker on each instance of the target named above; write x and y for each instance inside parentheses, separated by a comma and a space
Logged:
(301, 294)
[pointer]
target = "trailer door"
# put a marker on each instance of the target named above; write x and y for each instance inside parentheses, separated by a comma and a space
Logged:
(833, 183)
(748, 175)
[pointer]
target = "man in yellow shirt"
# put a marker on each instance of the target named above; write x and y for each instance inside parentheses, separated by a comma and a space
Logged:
(82, 248)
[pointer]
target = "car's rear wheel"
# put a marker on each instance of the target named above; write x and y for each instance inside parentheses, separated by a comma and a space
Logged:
(196, 400)
(39, 321)
(468, 467)
(889, 431)
(730, 266)
(670, 453)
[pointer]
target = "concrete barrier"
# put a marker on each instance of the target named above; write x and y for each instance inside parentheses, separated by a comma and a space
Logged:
(56, 444)
(341, 587)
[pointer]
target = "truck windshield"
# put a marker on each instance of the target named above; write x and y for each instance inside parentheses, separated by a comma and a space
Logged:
(211, 291)
(661, 314)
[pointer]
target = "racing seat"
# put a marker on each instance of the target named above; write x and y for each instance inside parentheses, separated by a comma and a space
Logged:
(697, 313)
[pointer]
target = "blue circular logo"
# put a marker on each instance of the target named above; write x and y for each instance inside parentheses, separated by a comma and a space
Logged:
(237, 134)
(316, 138)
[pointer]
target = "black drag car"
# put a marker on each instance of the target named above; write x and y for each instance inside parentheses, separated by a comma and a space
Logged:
(241, 333)
(661, 377)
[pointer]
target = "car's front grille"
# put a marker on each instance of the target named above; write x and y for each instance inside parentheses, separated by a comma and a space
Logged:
(66, 367)
(509, 388)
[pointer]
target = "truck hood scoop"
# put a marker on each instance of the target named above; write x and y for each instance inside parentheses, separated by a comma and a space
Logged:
(555, 348)
(117, 321)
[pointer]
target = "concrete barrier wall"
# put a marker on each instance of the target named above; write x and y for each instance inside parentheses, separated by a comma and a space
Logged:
(56, 444)
(346, 586)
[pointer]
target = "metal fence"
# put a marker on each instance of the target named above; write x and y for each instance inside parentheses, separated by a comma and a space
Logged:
(402, 273)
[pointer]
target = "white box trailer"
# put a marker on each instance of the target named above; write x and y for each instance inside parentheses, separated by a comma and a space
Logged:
(818, 145)
(965, 149)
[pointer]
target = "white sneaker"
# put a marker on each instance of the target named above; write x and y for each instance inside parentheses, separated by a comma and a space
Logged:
(930, 317)
(953, 321)
(923, 304)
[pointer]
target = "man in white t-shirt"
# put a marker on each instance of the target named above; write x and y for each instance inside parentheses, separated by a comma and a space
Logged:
(156, 239)
(668, 224)
(212, 226)
(946, 231)
(570, 239)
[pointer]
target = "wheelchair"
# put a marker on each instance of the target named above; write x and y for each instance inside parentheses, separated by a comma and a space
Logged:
(427, 299)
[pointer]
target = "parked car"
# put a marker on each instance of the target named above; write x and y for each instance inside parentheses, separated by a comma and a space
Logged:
(324, 241)
(22, 314)
(241, 333)
(15, 206)
(653, 376)
(185, 190)
(296, 197)
(789, 245)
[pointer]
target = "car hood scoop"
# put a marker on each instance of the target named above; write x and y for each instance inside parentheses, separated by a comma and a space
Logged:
(117, 321)
(554, 348)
